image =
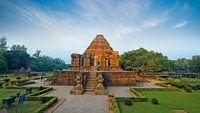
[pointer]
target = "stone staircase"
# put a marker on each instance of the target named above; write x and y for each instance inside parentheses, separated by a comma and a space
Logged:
(91, 82)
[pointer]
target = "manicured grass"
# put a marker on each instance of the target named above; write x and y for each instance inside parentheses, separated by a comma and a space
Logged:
(11, 92)
(168, 101)
(49, 74)
(28, 107)
(190, 80)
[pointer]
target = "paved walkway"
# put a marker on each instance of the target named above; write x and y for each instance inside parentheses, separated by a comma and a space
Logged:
(87, 103)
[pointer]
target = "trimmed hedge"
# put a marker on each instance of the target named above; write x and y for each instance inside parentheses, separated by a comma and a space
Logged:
(154, 101)
(128, 101)
(134, 99)
(26, 83)
(136, 93)
(157, 89)
(49, 102)
(17, 87)
(115, 106)
(41, 92)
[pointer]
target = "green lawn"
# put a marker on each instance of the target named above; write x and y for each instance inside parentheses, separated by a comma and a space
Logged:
(27, 107)
(169, 101)
(9, 92)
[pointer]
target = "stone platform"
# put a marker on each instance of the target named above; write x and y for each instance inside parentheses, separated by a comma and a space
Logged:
(111, 78)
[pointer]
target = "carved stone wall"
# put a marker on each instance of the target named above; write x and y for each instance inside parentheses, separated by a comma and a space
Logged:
(112, 78)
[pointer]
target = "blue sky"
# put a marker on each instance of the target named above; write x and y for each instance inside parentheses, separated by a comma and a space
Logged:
(61, 27)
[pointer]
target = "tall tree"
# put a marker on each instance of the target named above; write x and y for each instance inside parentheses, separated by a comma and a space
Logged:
(141, 59)
(3, 45)
(45, 63)
(195, 63)
(17, 57)
(3, 48)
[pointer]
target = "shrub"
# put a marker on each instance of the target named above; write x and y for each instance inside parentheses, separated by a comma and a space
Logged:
(1, 84)
(26, 83)
(18, 77)
(154, 101)
(22, 81)
(136, 93)
(194, 88)
(128, 101)
(6, 80)
(41, 92)
(198, 86)
(188, 89)
(18, 94)
(46, 105)
(41, 88)
(115, 106)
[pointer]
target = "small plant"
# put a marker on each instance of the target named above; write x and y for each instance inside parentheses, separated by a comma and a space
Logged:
(18, 77)
(6, 80)
(128, 101)
(194, 88)
(188, 89)
(18, 94)
(41, 88)
(198, 86)
(155, 101)
(1, 84)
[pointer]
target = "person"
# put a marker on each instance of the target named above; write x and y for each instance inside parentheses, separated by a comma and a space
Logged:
(41, 78)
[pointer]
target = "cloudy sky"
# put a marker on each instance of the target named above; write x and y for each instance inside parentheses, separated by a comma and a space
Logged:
(61, 27)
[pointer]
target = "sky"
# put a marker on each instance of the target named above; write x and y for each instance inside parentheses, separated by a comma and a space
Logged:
(61, 27)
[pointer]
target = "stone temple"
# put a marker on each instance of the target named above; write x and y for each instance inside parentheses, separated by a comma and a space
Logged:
(95, 69)
(99, 56)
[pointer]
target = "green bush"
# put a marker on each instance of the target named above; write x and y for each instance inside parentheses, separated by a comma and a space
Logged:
(46, 105)
(41, 88)
(198, 86)
(154, 101)
(6, 80)
(128, 101)
(26, 83)
(13, 82)
(188, 89)
(194, 88)
(22, 81)
(41, 92)
(115, 106)
(1, 84)
(136, 93)
(18, 77)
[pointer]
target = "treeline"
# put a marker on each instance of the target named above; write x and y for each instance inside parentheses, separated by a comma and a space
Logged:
(16, 57)
(150, 61)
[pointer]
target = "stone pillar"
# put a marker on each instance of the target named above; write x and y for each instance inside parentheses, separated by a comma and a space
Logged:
(78, 88)
(100, 89)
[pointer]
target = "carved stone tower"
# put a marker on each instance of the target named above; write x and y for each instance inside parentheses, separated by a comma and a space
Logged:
(98, 56)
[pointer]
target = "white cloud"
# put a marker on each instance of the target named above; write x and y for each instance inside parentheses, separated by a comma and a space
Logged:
(55, 30)
(181, 24)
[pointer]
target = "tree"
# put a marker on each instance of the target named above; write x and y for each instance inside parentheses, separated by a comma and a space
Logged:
(17, 57)
(195, 63)
(37, 54)
(141, 59)
(3, 48)
(45, 63)
(182, 65)
(3, 44)
(3, 64)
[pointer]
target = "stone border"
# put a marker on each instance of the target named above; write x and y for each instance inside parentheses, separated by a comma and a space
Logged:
(55, 106)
